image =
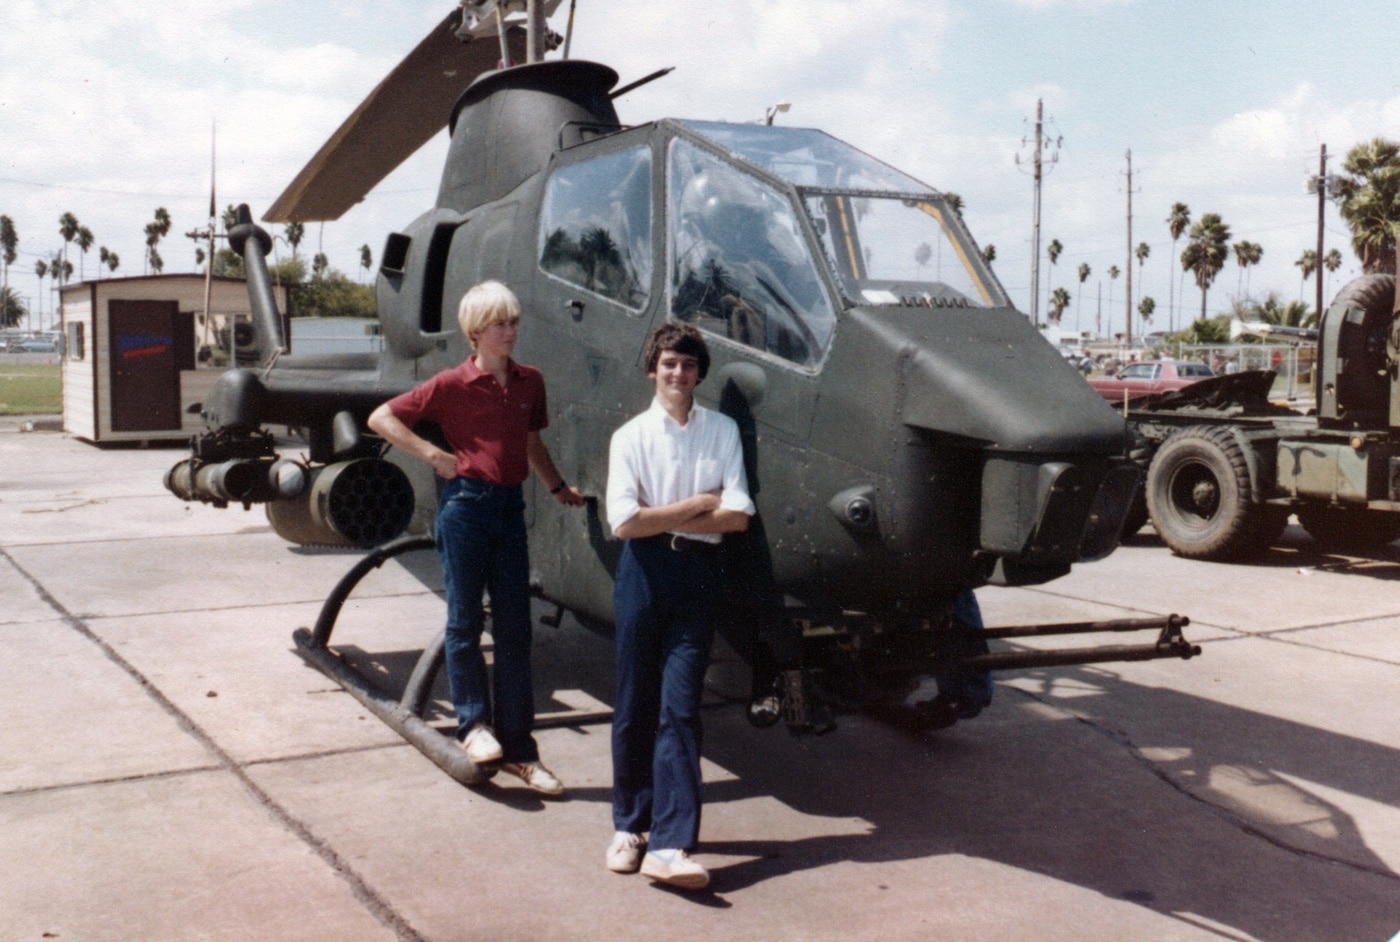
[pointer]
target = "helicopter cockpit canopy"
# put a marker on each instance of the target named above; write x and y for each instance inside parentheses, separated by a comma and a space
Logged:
(770, 232)
(888, 238)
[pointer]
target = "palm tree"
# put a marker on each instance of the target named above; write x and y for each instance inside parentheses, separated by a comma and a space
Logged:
(1146, 307)
(1177, 221)
(319, 264)
(954, 201)
(156, 230)
(1292, 314)
(366, 259)
(12, 309)
(1308, 263)
(1113, 273)
(1206, 252)
(1059, 300)
(989, 253)
(1052, 251)
(1246, 254)
(68, 226)
(84, 241)
(1370, 202)
(1331, 261)
(9, 242)
(1084, 272)
(113, 260)
(294, 232)
(41, 268)
(1141, 252)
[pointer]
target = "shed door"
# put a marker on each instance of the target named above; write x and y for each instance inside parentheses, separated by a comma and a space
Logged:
(145, 376)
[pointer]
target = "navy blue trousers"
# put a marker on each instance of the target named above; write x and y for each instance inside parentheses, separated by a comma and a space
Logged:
(481, 539)
(665, 606)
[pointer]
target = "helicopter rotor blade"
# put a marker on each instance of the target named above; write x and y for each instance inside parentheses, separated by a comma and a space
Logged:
(403, 112)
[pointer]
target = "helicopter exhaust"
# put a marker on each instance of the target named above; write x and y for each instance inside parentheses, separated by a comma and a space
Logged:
(253, 243)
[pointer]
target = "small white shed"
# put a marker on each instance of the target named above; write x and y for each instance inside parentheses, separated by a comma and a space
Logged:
(139, 352)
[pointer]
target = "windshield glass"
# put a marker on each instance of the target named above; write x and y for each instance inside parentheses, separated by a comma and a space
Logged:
(804, 157)
(899, 251)
(741, 266)
(888, 238)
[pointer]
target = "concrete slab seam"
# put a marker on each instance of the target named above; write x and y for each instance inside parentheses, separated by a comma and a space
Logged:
(360, 889)
(114, 780)
(1122, 739)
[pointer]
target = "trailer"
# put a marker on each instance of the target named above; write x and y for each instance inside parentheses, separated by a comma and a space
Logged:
(1225, 467)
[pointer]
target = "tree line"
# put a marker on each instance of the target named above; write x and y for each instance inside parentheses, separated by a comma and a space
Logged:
(1367, 195)
(323, 291)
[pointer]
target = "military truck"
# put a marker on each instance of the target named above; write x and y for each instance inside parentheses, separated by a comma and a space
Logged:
(1225, 466)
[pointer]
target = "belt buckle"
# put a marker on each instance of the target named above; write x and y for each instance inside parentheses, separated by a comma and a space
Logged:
(676, 542)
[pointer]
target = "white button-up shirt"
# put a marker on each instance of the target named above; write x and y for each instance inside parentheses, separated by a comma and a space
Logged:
(654, 461)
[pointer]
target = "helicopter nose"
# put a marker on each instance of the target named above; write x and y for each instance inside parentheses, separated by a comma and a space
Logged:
(1054, 481)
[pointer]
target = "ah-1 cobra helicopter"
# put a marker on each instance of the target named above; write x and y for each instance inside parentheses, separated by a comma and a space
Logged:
(908, 434)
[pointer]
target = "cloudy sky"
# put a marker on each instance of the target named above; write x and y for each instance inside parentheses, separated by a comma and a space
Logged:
(107, 111)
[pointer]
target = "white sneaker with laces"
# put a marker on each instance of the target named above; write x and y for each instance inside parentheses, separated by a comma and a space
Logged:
(536, 776)
(481, 745)
(675, 868)
(625, 852)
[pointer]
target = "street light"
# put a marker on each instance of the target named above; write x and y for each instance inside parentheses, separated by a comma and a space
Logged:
(780, 108)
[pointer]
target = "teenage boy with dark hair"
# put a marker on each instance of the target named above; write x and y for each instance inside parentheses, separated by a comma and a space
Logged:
(675, 484)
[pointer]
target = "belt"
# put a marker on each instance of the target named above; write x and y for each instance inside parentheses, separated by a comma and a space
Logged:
(684, 544)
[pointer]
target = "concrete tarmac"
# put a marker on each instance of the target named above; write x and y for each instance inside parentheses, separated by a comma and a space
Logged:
(171, 770)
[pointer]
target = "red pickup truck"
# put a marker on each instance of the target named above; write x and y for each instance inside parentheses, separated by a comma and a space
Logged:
(1151, 376)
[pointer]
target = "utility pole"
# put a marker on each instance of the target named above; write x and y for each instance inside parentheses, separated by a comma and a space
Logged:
(1037, 173)
(1128, 265)
(1321, 204)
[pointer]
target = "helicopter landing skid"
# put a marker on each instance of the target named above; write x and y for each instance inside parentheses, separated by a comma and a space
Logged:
(405, 715)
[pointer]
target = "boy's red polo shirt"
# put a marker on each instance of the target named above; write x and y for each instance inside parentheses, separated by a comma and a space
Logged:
(485, 426)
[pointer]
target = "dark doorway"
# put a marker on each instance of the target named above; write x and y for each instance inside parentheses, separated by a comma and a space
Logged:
(145, 374)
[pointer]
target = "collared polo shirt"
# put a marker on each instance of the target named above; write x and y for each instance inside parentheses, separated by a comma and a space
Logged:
(653, 461)
(486, 426)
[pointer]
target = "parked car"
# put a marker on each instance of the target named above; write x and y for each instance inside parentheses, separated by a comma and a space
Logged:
(37, 345)
(1152, 376)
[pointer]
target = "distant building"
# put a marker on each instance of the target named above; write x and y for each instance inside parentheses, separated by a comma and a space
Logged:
(140, 354)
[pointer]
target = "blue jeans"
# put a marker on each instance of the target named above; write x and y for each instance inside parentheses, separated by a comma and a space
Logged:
(481, 539)
(664, 602)
(969, 692)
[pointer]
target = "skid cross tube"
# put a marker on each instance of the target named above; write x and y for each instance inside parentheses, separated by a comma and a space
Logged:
(405, 715)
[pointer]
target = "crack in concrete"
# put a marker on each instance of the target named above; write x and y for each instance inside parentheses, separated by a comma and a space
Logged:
(377, 906)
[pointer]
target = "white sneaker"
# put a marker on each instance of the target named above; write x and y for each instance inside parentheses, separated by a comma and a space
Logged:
(481, 746)
(676, 868)
(536, 776)
(625, 852)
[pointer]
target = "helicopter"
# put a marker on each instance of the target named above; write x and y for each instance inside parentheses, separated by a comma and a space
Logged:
(909, 435)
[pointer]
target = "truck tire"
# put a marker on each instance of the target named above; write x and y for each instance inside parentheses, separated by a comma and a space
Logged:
(1200, 497)
(1344, 529)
